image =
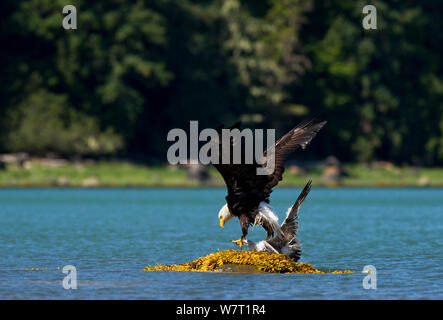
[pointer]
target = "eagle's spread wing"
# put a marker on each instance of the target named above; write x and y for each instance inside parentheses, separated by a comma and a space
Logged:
(246, 189)
(298, 137)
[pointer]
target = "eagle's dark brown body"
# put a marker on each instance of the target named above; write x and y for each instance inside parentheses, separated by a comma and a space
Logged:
(247, 189)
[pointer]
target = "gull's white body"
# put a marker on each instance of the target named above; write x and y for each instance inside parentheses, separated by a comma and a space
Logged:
(291, 248)
(285, 241)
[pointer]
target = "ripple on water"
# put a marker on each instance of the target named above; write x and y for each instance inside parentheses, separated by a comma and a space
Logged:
(109, 235)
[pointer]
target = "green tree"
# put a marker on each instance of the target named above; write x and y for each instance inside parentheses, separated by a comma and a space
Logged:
(44, 123)
(381, 89)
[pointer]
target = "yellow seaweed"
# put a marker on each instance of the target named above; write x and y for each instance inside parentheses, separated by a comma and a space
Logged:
(264, 261)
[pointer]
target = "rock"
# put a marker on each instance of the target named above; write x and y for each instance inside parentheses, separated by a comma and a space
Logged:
(388, 166)
(50, 162)
(423, 181)
(62, 181)
(16, 158)
(198, 172)
(90, 182)
(296, 170)
(333, 171)
(238, 268)
(27, 165)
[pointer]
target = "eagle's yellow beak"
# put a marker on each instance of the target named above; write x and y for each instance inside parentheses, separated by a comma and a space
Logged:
(222, 223)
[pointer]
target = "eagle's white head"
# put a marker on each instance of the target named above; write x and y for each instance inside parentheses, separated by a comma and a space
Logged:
(224, 215)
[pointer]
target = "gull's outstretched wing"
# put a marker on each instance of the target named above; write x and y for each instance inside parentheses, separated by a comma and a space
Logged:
(289, 226)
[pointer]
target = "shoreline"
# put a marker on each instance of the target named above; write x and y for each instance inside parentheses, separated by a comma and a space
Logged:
(124, 174)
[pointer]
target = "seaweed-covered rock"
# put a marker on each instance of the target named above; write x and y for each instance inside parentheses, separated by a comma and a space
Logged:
(243, 262)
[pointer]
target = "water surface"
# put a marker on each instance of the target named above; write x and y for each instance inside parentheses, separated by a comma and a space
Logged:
(110, 234)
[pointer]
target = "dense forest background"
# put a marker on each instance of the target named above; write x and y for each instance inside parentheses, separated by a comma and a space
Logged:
(133, 70)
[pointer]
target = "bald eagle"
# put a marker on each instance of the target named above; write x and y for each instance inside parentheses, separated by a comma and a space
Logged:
(248, 192)
(285, 241)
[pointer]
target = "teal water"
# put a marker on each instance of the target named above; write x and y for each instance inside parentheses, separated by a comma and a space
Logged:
(110, 234)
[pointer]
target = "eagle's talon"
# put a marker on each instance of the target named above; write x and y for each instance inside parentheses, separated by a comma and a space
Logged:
(238, 242)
